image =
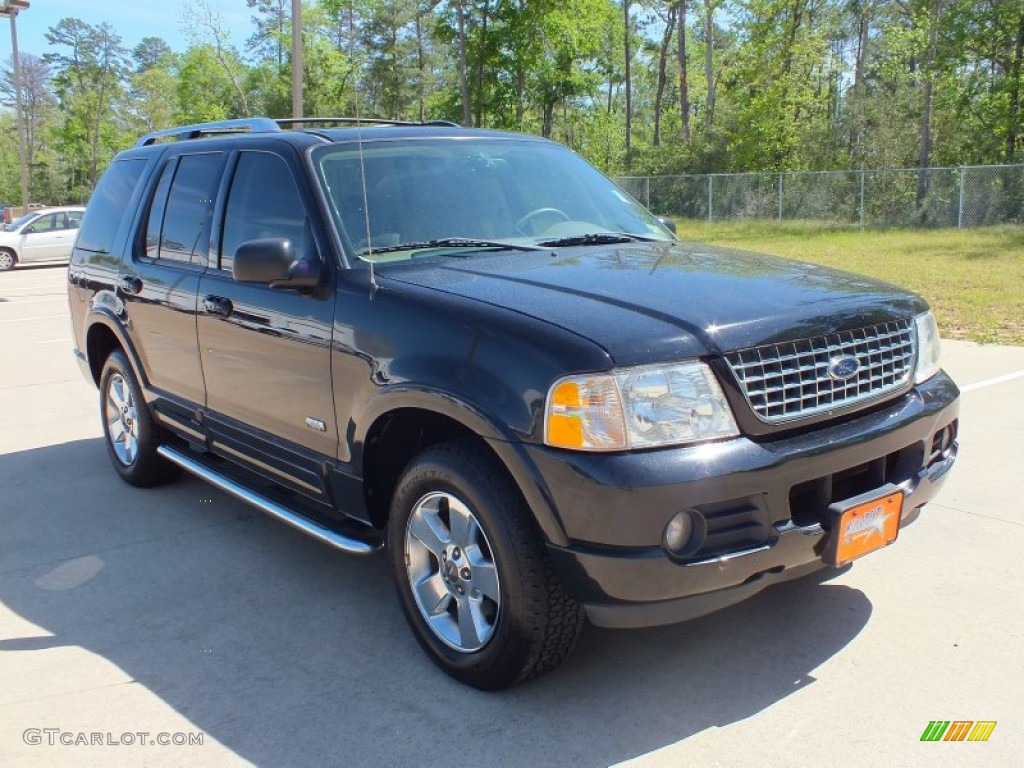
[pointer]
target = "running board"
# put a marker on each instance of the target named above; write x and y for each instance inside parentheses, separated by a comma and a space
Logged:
(272, 508)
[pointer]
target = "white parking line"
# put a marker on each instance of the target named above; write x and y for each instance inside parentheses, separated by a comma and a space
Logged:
(38, 317)
(35, 301)
(990, 382)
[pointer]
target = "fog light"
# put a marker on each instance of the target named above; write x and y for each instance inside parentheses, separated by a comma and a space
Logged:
(678, 531)
(685, 533)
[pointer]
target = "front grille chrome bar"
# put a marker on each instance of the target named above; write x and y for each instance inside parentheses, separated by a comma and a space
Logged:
(792, 380)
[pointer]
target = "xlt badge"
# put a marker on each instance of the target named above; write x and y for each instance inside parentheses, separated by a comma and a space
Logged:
(316, 424)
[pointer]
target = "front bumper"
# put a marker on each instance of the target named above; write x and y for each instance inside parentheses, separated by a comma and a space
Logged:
(765, 503)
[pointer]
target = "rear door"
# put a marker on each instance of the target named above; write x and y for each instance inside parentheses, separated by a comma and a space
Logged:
(159, 284)
(266, 352)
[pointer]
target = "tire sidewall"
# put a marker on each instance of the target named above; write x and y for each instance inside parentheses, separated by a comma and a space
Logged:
(498, 662)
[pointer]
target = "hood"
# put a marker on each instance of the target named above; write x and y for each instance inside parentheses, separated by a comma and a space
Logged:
(651, 302)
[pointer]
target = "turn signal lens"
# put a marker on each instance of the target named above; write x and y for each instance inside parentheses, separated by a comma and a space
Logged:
(585, 413)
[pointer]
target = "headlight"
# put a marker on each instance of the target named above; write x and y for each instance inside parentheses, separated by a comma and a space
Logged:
(637, 408)
(928, 349)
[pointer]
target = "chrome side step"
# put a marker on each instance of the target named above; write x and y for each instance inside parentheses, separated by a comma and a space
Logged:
(272, 508)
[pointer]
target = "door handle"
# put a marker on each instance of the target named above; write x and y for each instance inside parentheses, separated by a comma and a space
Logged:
(130, 284)
(217, 305)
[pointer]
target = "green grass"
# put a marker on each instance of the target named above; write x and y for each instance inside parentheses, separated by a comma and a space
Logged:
(973, 279)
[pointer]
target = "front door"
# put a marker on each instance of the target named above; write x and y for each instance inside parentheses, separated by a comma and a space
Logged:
(266, 353)
(46, 238)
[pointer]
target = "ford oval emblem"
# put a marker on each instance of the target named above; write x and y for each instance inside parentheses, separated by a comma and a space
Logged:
(843, 368)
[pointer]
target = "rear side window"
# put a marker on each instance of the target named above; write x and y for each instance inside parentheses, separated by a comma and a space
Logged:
(109, 203)
(186, 220)
(263, 202)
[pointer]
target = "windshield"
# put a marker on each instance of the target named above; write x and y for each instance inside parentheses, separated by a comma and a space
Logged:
(430, 194)
(19, 222)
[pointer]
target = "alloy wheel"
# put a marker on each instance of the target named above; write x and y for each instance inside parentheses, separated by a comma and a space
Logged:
(451, 571)
(122, 420)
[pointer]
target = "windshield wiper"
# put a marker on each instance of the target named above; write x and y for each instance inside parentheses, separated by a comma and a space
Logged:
(597, 238)
(451, 242)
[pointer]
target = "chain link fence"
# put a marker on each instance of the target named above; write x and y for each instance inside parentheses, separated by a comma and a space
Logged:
(967, 196)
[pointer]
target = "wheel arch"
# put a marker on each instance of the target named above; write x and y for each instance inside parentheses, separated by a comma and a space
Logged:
(102, 336)
(384, 449)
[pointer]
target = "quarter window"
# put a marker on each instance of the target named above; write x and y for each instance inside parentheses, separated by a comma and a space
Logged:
(108, 205)
(263, 203)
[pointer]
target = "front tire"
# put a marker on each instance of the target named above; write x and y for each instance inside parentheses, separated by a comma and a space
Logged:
(7, 260)
(132, 436)
(474, 578)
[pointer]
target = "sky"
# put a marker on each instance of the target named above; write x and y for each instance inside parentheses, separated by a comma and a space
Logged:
(131, 19)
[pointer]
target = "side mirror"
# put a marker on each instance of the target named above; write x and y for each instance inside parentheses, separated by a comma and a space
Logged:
(273, 262)
(669, 224)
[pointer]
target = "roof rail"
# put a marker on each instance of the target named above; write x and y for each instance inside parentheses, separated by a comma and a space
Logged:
(185, 132)
(357, 120)
(268, 125)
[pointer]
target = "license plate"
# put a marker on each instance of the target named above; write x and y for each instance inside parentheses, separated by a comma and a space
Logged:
(860, 527)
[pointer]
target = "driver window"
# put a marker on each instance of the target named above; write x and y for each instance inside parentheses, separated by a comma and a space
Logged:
(263, 203)
(43, 224)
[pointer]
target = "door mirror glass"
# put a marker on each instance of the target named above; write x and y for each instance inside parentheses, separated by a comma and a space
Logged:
(274, 262)
(668, 224)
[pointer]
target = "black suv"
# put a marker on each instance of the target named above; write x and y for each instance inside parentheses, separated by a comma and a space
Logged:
(474, 349)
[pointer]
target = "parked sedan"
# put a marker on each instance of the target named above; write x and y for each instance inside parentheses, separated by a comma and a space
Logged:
(46, 235)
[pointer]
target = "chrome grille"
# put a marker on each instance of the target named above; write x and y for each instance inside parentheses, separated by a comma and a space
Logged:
(791, 380)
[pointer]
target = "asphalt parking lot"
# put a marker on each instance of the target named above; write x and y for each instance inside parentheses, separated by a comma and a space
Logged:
(182, 611)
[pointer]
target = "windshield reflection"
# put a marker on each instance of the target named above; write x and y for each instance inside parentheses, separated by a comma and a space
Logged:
(501, 190)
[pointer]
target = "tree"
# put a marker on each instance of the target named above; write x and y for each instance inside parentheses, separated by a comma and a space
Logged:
(666, 40)
(273, 21)
(37, 100)
(208, 30)
(627, 39)
(88, 77)
(709, 61)
(684, 85)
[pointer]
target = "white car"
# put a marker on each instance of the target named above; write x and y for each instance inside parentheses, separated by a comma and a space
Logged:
(46, 234)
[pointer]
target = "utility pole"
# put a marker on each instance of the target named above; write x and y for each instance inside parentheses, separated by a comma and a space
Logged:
(10, 9)
(297, 58)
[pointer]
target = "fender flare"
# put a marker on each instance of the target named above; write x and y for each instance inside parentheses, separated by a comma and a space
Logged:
(510, 451)
(100, 314)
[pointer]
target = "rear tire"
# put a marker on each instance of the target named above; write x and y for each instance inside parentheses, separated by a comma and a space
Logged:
(132, 436)
(474, 578)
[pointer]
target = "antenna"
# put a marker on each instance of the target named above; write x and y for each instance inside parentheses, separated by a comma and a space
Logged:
(359, 143)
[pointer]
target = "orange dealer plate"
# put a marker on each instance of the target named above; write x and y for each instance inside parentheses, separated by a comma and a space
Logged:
(860, 527)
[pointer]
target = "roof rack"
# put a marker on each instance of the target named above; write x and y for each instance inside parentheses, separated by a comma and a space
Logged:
(367, 120)
(268, 125)
(185, 132)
